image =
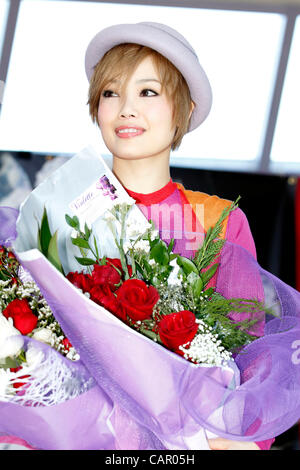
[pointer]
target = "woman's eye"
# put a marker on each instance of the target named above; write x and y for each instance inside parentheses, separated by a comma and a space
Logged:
(148, 92)
(108, 93)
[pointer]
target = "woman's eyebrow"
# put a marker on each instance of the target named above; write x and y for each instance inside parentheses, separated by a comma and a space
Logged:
(141, 80)
(148, 80)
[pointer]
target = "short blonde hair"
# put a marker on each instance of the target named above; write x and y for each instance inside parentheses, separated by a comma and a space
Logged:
(121, 61)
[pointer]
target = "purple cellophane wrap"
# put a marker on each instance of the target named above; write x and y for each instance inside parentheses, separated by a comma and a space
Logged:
(146, 397)
(8, 219)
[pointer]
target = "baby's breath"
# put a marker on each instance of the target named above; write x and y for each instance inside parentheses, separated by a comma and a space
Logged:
(206, 348)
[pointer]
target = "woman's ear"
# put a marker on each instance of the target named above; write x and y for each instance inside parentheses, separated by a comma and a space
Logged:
(192, 108)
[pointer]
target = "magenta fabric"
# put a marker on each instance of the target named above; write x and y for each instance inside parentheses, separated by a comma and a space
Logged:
(238, 231)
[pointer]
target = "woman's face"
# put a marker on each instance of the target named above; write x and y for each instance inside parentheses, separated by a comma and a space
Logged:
(136, 122)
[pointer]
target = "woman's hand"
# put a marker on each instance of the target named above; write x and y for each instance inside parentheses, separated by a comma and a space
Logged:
(225, 444)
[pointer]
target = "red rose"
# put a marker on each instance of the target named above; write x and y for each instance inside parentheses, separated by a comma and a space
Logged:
(81, 280)
(102, 295)
(66, 344)
(24, 320)
(177, 329)
(106, 275)
(136, 299)
(115, 262)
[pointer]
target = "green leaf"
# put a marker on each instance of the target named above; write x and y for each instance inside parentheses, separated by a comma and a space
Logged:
(85, 261)
(102, 261)
(72, 221)
(209, 291)
(9, 363)
(196, 283)
(187, 265)
(53, 255)
(96, 247)
(146, 266)
(80, 242)
(207, 275)
(171, 244)
(39, 246)
(4, 275)
(140, 269)
(87, 231)
(45, 234)
(159, 252)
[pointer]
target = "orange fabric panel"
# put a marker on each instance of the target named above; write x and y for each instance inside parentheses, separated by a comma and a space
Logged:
(213, 207)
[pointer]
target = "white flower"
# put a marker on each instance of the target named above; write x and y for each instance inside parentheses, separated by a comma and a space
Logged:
(136, 227)
(44, 335)
(127, 246)
(11, 341)
(109, 217)
(173, 279)
(132, 231)
(34, 356)
(142, 245)
(153, 234)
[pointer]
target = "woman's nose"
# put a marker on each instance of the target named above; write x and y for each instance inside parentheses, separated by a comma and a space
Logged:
(128, 108)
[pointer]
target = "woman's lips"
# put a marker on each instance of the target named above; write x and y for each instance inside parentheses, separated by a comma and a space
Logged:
(125, 132)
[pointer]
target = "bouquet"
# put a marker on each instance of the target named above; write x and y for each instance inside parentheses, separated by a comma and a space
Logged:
(159, 293)
(162, 358)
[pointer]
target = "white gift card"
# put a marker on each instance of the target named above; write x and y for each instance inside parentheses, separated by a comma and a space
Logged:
(95, 200)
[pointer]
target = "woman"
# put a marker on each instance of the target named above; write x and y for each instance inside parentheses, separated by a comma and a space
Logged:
(147, 90)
